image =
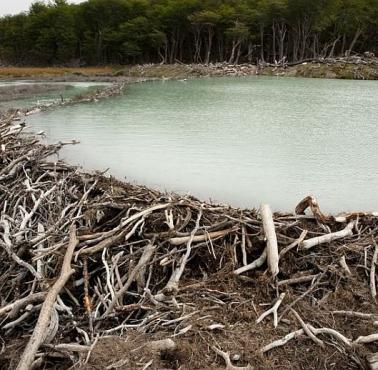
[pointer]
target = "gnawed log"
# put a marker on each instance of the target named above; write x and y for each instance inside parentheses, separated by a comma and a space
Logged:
(373, 361)
(312, 203)
(271, 237)
(328, 238)
(201, 238)
(44, 318)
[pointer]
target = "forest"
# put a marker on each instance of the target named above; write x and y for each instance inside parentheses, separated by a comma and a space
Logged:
(100, 32)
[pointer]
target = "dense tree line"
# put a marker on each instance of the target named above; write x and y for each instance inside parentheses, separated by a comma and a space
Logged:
(199, 31)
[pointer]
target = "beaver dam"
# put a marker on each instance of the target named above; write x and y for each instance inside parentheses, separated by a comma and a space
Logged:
(101, 274)
(22, 94)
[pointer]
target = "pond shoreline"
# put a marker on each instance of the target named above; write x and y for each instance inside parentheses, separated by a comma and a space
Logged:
(119, 77)
(116, 87)
(202, 258)
(117, 224)
(341, 68)
(358, 69)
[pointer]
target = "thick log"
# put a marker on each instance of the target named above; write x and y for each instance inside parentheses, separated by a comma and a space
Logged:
(312, 203)
(44, 318)
(328, 238)
(271, 239)
(373, 361)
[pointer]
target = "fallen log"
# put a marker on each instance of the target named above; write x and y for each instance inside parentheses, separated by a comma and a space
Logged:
(328, 238)
(271, 244)
(39, 332)
(201, 238)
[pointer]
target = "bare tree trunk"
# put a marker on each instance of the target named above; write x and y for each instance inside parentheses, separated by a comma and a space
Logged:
(220, 48)
(197, 43)
(177, 45)
(250, 52)
(303, 41)
(353, 43)
(274, 41)
(323, 53)
(238, 54)
(232, 52)
(343, 45)
(332, 51)
(295, 47)
(210, 35)
(99, 47)
(262, 43)
(166, 47)
(162, 57)
(181, 46)
(314, 46)
(282, 34)
(173, 49)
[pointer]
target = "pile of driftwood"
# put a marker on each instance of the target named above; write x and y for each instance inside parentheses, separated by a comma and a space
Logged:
(114, 89)
(86, 258)
(367, 58)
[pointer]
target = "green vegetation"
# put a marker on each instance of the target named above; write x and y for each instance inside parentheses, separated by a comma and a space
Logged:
(99, 32)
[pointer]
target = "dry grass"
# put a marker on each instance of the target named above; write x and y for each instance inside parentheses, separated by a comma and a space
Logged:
(10, 72)
(177, 71)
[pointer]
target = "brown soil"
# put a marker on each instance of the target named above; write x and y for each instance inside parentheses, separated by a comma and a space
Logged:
(241, 336)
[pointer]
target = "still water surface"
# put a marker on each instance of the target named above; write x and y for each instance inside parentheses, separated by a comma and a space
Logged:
(237, 140)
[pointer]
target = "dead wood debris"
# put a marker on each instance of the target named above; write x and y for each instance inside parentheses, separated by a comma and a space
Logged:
(173, 269)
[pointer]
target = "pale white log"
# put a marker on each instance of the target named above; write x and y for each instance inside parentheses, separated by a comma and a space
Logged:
(360, 315)
(297, 280)
(255, 264)
(367, 338)
(282, 341)
(200, 238)
(271, 238)
(306, 329)
(44, 318)
(161, 345)
(373, 361)
(70, 347)
(273, 310)
(227, 360)
(144, 259)
(332, 332)
(345, 266)
(347, 231)
(372, 272)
